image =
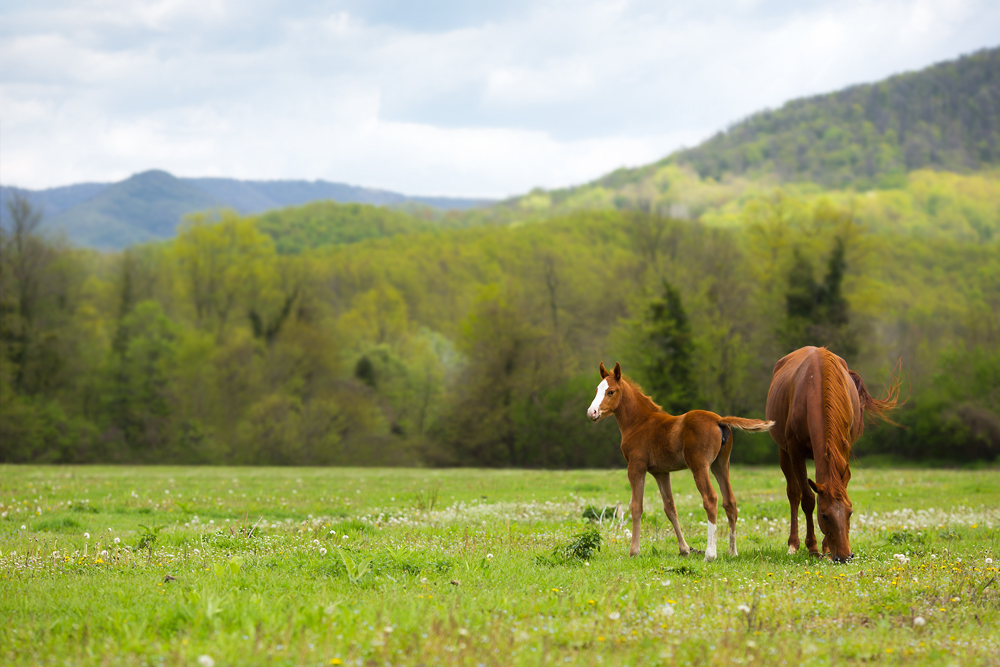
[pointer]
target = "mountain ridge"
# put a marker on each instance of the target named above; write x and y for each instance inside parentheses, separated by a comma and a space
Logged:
(149, 205)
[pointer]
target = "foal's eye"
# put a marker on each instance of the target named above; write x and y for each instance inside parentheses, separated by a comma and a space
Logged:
(610, 391)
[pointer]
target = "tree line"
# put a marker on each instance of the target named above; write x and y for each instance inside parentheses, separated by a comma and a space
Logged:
(345, 334)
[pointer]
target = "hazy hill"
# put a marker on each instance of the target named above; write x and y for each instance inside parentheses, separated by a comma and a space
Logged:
(149, 205)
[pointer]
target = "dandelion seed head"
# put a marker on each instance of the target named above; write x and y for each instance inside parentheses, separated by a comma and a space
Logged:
(614, 616)
(744, 608)
(206, 661)
(322, 551)
(919, 621)
(117, 541)
(490, 557)
(86, 536)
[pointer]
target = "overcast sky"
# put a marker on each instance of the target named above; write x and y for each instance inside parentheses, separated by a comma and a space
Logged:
(448, 97)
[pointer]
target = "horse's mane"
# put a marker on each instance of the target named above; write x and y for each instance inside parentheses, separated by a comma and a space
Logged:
(838, 416)
(640, 395)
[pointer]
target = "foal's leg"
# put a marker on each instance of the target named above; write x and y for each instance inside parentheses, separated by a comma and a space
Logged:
(663, 481)
(710, 500)
(794, 497)
(720, 469)
(637, 480)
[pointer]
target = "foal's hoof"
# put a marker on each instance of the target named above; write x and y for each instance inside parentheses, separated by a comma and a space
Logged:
(709, 558)
(792, 549)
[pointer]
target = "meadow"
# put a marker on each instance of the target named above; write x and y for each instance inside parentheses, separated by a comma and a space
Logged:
(124, 565)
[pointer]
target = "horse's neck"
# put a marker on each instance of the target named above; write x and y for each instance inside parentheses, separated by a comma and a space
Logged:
(827, 469)
(633, 409)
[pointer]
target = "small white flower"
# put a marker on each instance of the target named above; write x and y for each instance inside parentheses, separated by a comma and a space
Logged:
(86, 536)
(104, 553)
(667, 610)
(387, 629)
(989, 561)
(197, 551)
(490, 557)
(55, 554)
(23, 527)
(744, 608)
(117, 541)
(322, 551)
(344, 537)
(919, 621)
(665, 582)
(614, 616)
(316, 542)
(463, 632)
(903, 560)
(206, 661)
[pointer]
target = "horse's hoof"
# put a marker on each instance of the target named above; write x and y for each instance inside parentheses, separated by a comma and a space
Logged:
(733, 553)
(792, 549)
(815, 554)
(709, 558)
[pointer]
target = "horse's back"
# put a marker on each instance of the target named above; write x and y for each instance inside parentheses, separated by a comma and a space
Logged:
(797, 390)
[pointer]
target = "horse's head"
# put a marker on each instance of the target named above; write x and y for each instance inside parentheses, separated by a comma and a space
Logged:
(608, 393)
(834, 516)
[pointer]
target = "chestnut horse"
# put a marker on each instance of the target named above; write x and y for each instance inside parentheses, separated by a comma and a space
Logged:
(658, 443)
(818, 406)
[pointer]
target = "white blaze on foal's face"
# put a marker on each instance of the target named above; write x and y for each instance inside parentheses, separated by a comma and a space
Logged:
(594, 412)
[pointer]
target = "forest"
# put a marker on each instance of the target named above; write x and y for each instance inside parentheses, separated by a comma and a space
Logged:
(336, 334)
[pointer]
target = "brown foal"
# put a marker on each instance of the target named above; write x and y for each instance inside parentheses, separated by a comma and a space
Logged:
(658, 443)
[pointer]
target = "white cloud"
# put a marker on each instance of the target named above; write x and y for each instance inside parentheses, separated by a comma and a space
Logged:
(493, 103)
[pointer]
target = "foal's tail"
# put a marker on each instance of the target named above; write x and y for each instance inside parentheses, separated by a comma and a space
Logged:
(748, 425)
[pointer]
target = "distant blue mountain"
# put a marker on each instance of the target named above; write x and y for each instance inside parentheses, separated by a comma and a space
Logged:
(149, 206)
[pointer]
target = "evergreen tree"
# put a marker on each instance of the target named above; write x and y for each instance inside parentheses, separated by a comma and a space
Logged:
(818, 313)
(669, 370)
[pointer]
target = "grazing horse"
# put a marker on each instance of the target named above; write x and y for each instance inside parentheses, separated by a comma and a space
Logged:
(658, 443)
(818, 408)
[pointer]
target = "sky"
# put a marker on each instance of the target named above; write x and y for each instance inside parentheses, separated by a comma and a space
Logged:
(444, 97)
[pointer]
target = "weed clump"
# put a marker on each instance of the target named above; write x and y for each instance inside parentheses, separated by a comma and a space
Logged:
(582, 548)
(599, 514)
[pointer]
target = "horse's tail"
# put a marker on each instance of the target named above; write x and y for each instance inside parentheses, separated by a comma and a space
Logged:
(748, 425)
(878, 407)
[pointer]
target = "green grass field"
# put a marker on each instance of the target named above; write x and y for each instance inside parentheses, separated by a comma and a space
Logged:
(292, 566)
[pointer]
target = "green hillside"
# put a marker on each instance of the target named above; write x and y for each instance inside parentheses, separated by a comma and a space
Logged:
(944, 117)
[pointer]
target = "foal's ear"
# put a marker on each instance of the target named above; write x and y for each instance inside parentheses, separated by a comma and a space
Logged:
(604, 371)
(618, 372)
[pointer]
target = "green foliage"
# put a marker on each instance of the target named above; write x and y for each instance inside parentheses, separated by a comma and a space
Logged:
(583, 546)
(817, 313)
(479, 345)
(328, 223)
(869, 135)
(669, 358)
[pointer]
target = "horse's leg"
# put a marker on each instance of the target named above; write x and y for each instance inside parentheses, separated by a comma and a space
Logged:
(808, 504)
(794, 496)
(637, 480)
(720, 468)
(663, 481)
(710, 501)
